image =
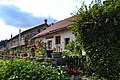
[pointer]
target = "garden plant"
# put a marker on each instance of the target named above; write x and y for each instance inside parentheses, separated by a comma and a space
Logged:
(17, 69)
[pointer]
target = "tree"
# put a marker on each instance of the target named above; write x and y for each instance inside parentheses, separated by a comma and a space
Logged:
(3, 43)
(97, 30)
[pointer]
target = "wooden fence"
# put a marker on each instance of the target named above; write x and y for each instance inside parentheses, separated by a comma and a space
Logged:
(73, 62)
(74, 65)
(12, 57)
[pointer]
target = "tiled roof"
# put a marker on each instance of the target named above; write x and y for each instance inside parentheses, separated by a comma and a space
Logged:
(41, 25)
(35, 28)
(56, 27)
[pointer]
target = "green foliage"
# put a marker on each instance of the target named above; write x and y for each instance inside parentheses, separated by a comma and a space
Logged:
(17, 51)
(72, 49)
(40, 51)
(97, 29)
(3, 43)
(26, 70)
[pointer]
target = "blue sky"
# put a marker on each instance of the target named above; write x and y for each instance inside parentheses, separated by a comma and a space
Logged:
(12, 15)
(24, 14)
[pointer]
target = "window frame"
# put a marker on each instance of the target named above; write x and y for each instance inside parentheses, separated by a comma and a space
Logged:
(57, 39)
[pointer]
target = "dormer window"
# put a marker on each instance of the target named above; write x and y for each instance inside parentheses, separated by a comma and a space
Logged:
(44, 28)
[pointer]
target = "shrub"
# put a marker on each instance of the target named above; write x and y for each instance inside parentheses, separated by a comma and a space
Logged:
(27, 70)
(97, 29)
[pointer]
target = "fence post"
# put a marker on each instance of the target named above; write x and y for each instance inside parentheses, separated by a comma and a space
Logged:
(83, 63)
(77, 62)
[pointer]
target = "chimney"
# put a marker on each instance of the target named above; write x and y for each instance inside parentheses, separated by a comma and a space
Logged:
(45, 21)
(52, 24)
(19, 36)
(11, 36)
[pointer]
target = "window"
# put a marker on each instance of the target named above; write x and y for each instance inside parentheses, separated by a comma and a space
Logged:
(66, 41)
(57, 40)
(50, 44)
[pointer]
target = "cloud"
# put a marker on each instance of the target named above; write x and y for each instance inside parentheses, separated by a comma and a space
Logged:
(13, 16)
(57, 9)
(7, 30)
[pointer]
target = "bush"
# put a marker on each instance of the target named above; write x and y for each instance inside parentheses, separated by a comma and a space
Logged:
(72, 49)
(27, 70)
(97, 29)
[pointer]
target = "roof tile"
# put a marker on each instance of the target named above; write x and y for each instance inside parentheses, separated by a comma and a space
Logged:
(59, 25)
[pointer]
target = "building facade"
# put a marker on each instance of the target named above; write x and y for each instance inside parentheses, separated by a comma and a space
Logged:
(56, 36)
(24, 38)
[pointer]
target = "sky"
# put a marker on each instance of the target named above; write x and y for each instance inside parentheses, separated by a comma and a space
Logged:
(24, 14)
